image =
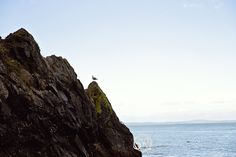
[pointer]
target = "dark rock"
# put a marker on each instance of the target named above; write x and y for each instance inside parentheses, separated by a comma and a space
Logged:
(118, 140)
(45, 111)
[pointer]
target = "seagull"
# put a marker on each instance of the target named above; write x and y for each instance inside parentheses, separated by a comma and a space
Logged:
(94, 78)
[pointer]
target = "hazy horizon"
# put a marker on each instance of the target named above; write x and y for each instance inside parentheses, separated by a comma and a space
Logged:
(196, 121)
(155, 60)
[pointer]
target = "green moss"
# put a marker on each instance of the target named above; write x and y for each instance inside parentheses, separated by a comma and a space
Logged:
(99, 98)
(25, 76)
(98, 105)
(2, 49)
(13, 65)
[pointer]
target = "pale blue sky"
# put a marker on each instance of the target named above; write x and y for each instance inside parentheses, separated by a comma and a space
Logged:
(157, 60)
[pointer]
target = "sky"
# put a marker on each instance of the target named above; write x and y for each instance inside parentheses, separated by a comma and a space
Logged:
(156, 60)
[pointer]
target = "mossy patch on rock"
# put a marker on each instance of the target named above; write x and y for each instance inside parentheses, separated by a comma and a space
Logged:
(2, 49)
(13, 65)
(99, 98)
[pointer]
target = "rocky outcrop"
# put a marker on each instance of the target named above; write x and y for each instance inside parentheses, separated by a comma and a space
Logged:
(45, 111)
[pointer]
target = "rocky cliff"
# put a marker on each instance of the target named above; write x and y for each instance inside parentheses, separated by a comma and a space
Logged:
(45, 111)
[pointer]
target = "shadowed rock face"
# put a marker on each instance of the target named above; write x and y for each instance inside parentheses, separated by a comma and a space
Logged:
(45, 111)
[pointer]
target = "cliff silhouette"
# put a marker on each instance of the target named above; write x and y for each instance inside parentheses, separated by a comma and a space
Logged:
(45, 110)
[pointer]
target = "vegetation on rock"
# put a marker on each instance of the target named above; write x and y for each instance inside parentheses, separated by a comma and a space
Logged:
(98, 97)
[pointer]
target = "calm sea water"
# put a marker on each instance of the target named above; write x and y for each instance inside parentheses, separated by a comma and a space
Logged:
(186, 140)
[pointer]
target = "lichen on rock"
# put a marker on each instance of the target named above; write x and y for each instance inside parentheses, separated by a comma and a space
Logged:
(99, 98)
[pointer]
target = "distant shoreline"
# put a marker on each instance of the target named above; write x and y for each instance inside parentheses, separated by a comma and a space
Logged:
(182, 122)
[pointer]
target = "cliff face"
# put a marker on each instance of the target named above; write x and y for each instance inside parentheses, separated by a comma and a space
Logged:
(45, 111)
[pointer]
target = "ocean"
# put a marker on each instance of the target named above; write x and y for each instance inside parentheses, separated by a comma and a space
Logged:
(186, 140)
